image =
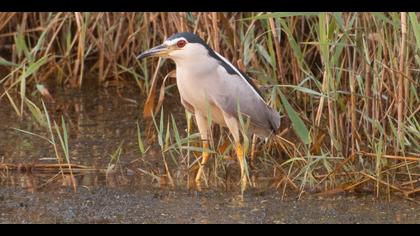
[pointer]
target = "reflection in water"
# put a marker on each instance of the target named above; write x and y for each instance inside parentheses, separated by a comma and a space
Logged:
(34, 182)
(98, 122)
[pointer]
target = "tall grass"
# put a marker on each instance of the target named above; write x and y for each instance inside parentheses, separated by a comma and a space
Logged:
(43, 119)
(347, 83)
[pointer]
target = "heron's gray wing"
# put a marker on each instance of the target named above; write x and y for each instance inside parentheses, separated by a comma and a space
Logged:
(237, 95)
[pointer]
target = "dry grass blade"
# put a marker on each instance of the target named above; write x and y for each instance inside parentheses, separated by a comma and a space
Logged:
(150, 102)
(403, 158)
(26, 167)
(171, 74)
(400, 98)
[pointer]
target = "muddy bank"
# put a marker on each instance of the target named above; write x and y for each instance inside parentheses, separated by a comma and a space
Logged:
(107, 205)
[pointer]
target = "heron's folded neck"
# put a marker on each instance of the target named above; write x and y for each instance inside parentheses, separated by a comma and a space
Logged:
(198, 66)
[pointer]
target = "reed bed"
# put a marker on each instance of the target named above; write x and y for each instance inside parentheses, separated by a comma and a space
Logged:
(347, 85)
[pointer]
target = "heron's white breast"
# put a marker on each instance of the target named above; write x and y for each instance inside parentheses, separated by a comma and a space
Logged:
(198, 87)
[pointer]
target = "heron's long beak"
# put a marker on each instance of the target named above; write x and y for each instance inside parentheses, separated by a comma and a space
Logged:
(158, 51)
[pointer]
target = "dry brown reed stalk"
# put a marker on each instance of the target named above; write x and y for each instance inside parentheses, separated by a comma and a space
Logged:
(400, 98)
(27, 167)
(404, 158)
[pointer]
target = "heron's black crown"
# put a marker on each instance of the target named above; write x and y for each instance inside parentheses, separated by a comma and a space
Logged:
(190, 37)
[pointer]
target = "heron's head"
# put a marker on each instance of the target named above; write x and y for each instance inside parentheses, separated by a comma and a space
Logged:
(179, 47)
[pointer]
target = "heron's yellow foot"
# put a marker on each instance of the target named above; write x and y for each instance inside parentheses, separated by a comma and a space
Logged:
(241, 159)
(204, 160)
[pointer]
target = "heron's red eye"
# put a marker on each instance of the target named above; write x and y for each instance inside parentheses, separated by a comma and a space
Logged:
(181, 43)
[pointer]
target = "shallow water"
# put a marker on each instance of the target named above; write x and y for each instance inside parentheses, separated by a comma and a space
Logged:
(99, 121)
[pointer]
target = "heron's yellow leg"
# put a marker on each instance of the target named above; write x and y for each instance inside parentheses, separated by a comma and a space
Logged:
(241, 158)
(203, 127)
(204, 160)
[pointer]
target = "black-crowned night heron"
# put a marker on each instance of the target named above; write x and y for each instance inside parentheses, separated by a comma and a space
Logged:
(214, 90)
